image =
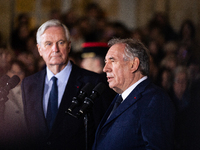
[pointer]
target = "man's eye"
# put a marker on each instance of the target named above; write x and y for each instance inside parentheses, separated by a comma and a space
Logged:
(61, 42)
(48, 44)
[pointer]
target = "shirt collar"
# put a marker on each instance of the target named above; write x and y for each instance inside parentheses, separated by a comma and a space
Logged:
(132, 87)
(61, 75)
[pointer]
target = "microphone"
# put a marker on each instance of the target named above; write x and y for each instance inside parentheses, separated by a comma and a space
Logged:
(4, 80)
(85, 91)
(12, 82)
(89, 101)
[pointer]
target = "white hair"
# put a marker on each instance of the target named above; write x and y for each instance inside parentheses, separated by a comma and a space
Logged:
(51, 23)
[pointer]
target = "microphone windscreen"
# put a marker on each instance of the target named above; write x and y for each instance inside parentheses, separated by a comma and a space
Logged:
(100, 88)
(87, 88)
(4, 80)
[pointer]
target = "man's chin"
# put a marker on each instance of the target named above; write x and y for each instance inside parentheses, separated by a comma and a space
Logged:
(57, 63)
(111, 85)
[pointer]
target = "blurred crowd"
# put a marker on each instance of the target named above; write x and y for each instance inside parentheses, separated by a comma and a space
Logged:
(174, 64)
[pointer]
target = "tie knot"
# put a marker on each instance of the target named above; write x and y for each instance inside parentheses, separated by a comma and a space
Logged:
(117, 103)
(54, 79)
(119, 99)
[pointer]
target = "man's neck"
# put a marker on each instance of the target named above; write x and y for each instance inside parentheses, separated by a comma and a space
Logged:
(56, 68)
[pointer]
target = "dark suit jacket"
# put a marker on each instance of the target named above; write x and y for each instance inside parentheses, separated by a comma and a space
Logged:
(145, 120)
(68, 132)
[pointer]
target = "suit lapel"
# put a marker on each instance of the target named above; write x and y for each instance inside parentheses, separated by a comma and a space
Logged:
(36, 101)
(132, 98)
(104, 119)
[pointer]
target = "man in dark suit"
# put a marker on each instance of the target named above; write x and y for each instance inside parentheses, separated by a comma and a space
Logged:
(145, 117)
(64, 131)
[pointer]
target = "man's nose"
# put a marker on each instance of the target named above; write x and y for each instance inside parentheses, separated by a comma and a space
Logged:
(55, 48)
(106, 68)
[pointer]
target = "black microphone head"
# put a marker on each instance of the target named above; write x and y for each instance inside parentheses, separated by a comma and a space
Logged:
(4, 80)
(13, 81)
(87, 88)
(85, 91)
(97, 91)
(100, 88)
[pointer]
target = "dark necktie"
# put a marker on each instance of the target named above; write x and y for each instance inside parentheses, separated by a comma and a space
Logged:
(117, 103)
(52, 108)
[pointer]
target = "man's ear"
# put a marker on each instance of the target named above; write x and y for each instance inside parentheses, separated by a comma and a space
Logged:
(135, 64)
(39, 49)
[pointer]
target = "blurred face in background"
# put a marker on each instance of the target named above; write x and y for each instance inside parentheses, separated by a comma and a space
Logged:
(180, 84)
(16, 70)
(93, 64)
(29, 60)
(5, 57)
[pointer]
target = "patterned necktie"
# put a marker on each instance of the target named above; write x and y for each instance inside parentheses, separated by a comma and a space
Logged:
(52, 108)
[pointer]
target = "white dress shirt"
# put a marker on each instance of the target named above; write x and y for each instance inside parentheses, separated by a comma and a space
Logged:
(132, 87)
(62, 79)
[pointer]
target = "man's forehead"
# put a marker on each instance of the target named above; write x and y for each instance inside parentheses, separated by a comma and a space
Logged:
(53, 29)
(48, 36)
(116, 50)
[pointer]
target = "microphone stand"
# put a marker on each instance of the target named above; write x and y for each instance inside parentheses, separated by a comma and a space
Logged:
(85, 125)
(78, 115)
(85, 108)
(87, 104)
(86, 130)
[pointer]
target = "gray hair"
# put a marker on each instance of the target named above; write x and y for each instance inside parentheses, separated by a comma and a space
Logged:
(134, 48)
(51, 23)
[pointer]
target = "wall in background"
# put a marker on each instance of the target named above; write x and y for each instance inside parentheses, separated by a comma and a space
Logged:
(133, 13)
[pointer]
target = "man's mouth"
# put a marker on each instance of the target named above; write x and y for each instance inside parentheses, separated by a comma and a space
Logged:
(109, 78)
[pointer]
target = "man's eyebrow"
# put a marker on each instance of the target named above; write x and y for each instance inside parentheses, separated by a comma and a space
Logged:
(110, 58)
(47, 42)
(62, 40)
